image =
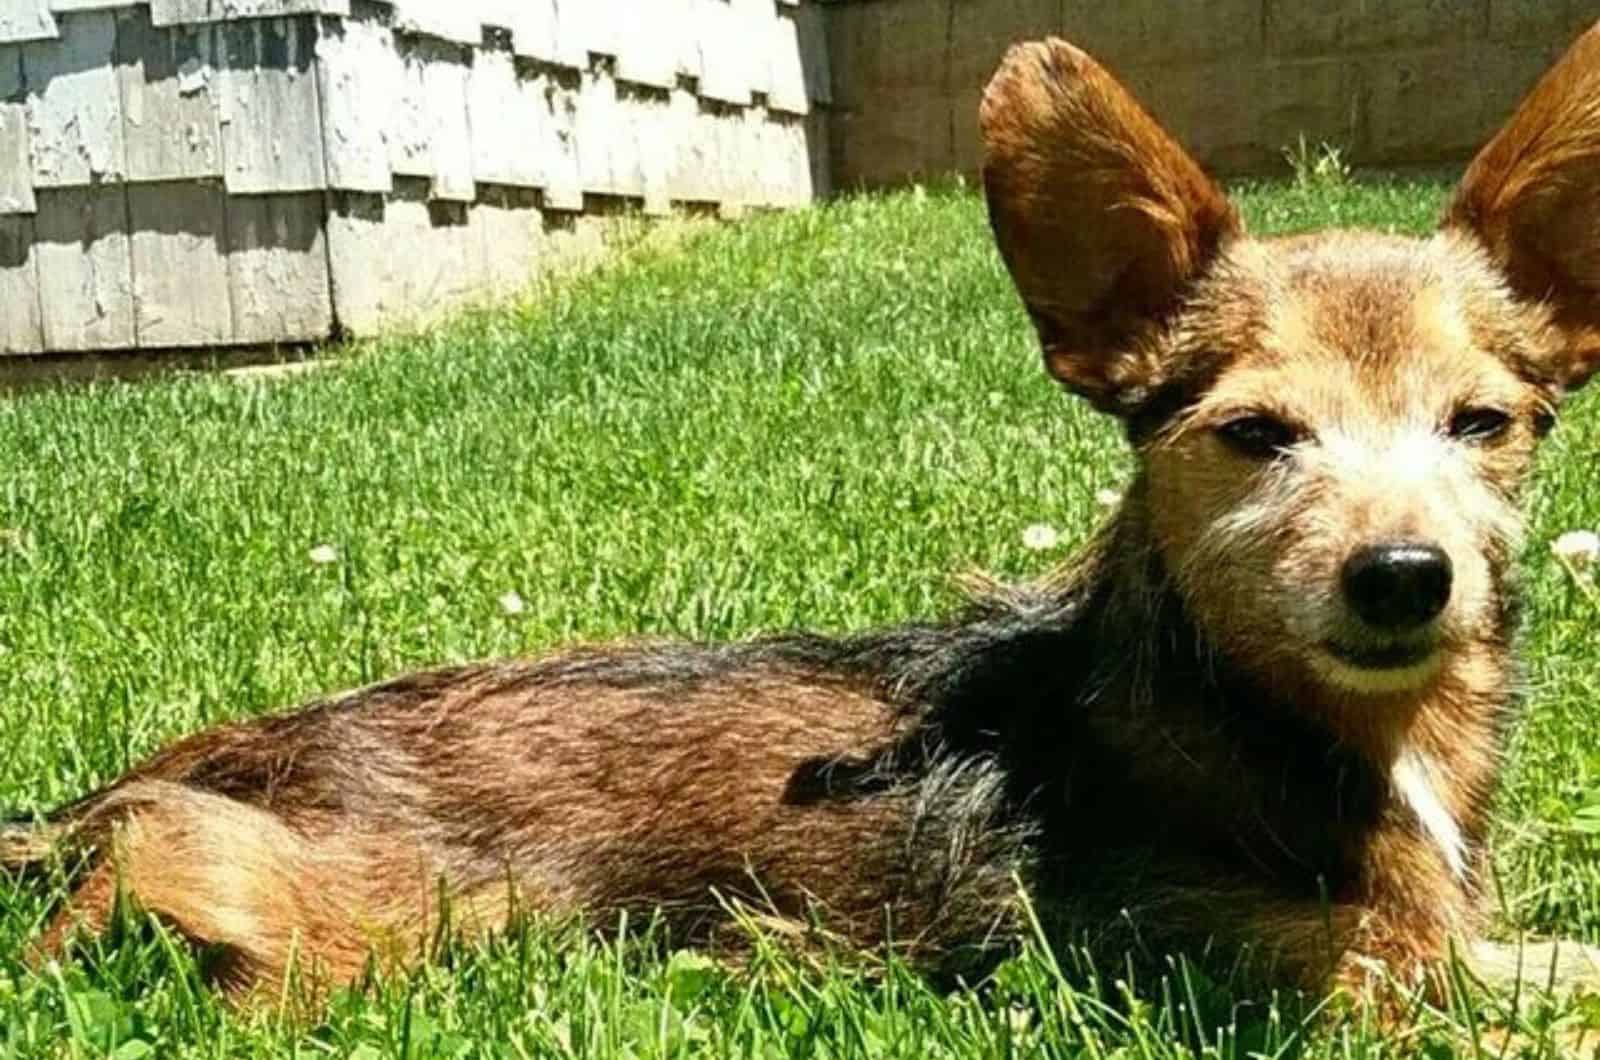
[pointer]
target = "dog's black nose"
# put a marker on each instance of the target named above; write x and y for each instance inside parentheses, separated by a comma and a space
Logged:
(1397, 587)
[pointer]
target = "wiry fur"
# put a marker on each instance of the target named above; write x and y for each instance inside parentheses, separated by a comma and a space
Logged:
(1531, 199)
(1169, 744)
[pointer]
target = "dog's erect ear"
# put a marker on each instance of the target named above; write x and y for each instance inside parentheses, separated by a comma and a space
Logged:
(1532, 198)
(1100, 216)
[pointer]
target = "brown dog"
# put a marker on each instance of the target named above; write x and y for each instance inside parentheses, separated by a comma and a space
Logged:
(1265, 709)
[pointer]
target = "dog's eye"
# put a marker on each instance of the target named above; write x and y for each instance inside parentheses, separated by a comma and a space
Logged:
(1258, 436)
(1479, 424)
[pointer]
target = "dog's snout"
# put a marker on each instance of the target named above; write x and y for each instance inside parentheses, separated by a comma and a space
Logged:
(1397, 586)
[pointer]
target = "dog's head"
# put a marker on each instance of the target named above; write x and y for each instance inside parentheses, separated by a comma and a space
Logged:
(1333, 429)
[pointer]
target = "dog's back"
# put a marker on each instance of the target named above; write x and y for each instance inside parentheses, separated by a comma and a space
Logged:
(784, 780)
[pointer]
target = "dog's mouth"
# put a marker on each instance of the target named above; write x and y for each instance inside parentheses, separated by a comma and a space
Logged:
(1396, 655)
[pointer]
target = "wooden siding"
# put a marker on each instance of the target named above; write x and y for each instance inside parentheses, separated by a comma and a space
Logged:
(179, 173)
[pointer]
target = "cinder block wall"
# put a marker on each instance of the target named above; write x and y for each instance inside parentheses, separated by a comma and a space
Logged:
(1393, 82)
(182, 173)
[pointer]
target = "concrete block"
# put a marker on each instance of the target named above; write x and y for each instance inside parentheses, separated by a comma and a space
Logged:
(1401, 88)
(978, 40)
(892, 116)
(1549, 23)
(1177, 31)
(1340, 27)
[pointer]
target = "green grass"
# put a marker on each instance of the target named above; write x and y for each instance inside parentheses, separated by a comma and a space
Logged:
(806, 420)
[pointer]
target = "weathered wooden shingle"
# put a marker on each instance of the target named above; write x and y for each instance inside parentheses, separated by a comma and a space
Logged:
(408, 129)
(724, 51)
(507, 240)
(648, 42)
(181, 12)
(503, 111)
(753, 28)
(22, 20)
(786, 79)
(785, 152)
(456, 21)
(254, 171)
(267, 86)
(549, 31)
(359, 78)
(277, 262)
(444, 85)
(689, 176)
(21, 327)
(601, 23)
(73, 106)
(180, 267)
(85, 272)
(650, 116)
(167, 79)
(16, 162)
(603, 156)
(16, 141)
(62, 7)
(558, 143)
(375, 287)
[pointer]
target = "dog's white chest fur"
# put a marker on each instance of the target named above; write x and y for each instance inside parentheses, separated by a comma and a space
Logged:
(1412, 777)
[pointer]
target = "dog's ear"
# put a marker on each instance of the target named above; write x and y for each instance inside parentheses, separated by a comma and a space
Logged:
(1101, 217)
(1532, 199)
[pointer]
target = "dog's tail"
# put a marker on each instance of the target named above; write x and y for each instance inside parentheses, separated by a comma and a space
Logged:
(230, 877)
(28, 842)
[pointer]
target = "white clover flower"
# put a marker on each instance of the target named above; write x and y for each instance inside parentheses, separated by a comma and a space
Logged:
(511, 603)
(1039, 537)
(1107, 498)
(1578, 549)
(323, 555)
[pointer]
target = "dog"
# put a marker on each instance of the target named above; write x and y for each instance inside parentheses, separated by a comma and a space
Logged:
(1263, 712)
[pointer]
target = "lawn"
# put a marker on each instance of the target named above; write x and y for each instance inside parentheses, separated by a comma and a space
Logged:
(813, 419)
